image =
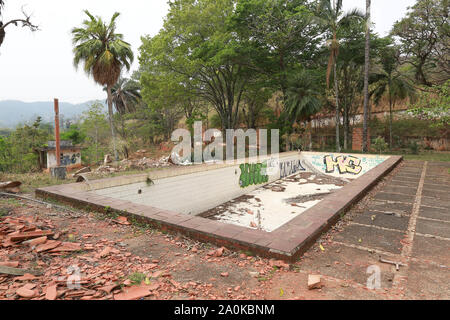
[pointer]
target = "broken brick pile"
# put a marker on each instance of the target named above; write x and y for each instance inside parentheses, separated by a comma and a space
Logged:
(39, 249)
(40, 268)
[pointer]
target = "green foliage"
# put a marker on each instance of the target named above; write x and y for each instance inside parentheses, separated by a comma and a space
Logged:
(379, 144)
(125, 95)
(277, 35)
(74, 134)
(94, 127)
(103, 53)
(195, 54)
(18, 150)
(136, 278)
(414, 147)
(100, 49)
(303, 96)
(424, 36)
(434, 105)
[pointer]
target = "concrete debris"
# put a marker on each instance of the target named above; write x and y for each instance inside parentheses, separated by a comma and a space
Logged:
(10, 186)
(314, 281)
(122, 220)
(82, 170)
(107, 159)
(176, 159)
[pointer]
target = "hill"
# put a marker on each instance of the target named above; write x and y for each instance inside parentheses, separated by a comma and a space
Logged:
(13, 112)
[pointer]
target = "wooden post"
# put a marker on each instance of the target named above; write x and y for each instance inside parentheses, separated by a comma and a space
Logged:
(59, 171)
(57, 151)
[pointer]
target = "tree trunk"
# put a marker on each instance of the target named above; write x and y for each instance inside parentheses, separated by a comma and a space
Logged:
(390, 120)
(336, 90)
(366, 78)
(111, 124)
(346, 127)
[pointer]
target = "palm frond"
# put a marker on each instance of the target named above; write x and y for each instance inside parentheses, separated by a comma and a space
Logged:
(102, 52)
(303, 97)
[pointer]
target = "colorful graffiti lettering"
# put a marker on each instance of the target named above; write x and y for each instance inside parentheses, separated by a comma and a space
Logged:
(251, 174)
(290, 167)
(67, 159)
(344, 164)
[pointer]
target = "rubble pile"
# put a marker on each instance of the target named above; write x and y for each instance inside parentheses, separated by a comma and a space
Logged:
(36, 264)
(140, 160)
(144, 163)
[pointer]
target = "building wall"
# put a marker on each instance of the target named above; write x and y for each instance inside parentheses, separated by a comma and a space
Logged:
(71, 158)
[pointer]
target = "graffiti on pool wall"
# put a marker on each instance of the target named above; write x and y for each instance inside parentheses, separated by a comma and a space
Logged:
(252, 174)
(288, 168)
(345, 164)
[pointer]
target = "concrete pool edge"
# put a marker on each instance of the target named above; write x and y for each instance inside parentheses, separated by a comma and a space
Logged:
(287, 242)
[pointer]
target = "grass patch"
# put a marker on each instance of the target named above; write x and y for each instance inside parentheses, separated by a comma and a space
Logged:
(136, 278)
(11, 202)
(32, 181)
(4, 211)
(429, 156)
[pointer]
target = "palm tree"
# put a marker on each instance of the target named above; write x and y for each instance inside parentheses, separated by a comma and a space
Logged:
(103, 53)
(389, 81)
(125, 95)
(125, 98)
(366, 79)
(303, 98)
(330, 15)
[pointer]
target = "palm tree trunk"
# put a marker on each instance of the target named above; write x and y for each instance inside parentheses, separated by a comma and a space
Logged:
(366, 78)
(111, 124)
(336, 89)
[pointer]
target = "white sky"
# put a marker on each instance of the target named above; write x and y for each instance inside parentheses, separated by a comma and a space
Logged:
(38, 66)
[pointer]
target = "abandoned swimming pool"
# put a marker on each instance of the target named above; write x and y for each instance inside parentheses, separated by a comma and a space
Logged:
(273, 206)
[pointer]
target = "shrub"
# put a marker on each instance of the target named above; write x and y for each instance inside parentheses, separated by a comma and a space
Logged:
(379, 144)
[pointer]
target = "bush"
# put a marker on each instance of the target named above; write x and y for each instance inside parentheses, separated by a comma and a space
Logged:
(414, 147)
(379, 144)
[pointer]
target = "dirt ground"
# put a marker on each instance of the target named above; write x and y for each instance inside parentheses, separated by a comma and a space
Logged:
(404, 219)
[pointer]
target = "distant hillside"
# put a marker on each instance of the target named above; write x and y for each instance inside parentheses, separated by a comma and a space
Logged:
(13, 112)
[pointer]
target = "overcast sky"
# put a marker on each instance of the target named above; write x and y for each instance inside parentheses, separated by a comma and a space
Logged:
(37, 66)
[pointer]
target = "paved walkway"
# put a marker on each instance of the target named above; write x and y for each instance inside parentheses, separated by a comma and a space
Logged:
(407, 220)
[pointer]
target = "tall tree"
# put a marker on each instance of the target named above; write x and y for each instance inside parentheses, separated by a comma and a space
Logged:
(125, 97)
(424, 35)
(303, 98)
(279, 35)
(255, 103)
(332, 18)
(366, 79)
(103, 53)
(25, 22)
(392, 83)
(350, 72)
(197, 46)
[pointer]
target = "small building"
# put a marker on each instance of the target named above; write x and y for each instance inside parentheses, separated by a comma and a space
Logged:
(70, 155)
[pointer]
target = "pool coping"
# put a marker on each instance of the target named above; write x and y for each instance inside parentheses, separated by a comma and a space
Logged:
(287, 242)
